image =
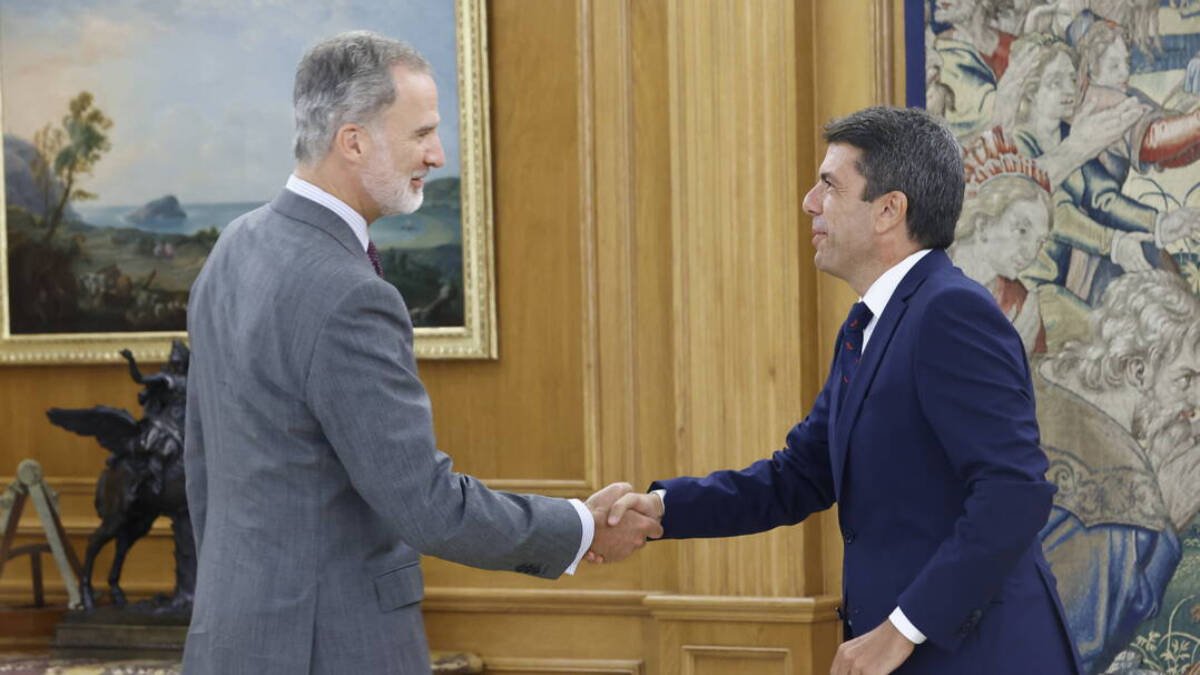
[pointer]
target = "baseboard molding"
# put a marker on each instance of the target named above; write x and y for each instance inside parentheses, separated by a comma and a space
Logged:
(581, 666)
(813, 609)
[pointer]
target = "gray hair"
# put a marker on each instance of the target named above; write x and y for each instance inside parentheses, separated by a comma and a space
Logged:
(345, 79)
(1144, 316)
(908, 151)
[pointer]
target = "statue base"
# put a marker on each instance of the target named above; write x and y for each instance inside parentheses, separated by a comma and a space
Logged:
(132, 632)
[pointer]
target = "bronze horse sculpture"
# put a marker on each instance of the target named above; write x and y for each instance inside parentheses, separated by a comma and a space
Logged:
(143, 477)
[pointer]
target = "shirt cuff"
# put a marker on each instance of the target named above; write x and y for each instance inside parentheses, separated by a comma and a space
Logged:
(589, 532)
(905, 627)
(662, 499)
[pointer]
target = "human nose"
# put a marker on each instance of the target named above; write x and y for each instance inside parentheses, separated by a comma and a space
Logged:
(812, 203)
(435, 156)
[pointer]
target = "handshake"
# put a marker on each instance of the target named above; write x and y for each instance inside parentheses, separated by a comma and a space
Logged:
(624, 521)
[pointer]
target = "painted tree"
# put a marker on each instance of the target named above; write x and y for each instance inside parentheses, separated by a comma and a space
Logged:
(67, 153)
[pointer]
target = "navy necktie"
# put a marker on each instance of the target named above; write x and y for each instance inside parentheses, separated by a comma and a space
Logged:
(850, 351)
(373, 254)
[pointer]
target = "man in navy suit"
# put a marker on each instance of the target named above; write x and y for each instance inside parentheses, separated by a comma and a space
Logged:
(924, 433)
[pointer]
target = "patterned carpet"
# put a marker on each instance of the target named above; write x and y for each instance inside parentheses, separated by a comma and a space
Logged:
(45, 665)
(18, 664)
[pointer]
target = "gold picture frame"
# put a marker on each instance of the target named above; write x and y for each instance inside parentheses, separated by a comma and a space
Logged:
(474, 337)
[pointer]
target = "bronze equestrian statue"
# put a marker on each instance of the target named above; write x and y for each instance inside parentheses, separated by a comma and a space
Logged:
(142, 479)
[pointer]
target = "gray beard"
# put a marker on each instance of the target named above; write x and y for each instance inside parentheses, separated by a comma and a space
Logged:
(1150, 418)
(1178, 435)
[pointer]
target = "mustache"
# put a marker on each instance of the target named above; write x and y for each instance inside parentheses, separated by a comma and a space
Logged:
(1179, 436)
(1151, 418)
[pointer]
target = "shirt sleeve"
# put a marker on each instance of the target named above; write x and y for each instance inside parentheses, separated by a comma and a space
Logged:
(905, 627)
(589, 533)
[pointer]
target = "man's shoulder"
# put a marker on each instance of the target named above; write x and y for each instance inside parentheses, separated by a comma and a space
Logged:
(293, 261)
(949, 292)
(950, 284)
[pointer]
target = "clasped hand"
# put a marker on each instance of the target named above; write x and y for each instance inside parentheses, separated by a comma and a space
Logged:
(624, 521)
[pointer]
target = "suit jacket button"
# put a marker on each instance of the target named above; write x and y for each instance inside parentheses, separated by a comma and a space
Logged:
(848, 536)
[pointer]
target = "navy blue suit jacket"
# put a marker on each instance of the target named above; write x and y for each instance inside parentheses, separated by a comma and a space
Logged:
(934, 461)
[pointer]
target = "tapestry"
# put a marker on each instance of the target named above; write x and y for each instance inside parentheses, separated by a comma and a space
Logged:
(1080, 127)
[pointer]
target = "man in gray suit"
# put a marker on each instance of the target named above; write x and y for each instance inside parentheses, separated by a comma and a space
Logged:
(313, 477)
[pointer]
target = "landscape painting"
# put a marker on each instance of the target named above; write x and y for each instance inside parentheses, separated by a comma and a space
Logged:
(135, 131)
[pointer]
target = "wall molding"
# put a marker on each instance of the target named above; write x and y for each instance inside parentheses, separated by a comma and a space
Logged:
(541, 665)
(16, 591)
(530, 601)
(83, 526)
(882, 46)
(65, 485)
(692, 653)
(661, 606)
(804, 610)
(580, 489)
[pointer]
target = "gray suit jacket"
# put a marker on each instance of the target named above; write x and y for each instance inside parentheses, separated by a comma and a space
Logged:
(312, 472)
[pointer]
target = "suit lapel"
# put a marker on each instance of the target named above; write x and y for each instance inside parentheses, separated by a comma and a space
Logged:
(844, 416)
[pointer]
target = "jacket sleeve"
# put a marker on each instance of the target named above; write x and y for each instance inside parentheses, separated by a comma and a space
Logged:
(783, 490)
(195, 468)
(974, 388)
(363, 388)
(1100, 196)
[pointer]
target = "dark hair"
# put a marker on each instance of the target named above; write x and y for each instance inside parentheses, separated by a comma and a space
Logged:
(908, 150)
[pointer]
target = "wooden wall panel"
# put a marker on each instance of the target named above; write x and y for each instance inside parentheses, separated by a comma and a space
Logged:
(736, 220)
(522, 417)
(716, 660)
(527, 631)
(651, 252)
(699, 634)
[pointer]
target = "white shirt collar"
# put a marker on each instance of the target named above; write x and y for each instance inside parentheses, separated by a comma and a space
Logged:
(880, 292)
(353, 218)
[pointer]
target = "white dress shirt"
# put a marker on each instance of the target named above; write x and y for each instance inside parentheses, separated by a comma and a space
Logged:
(358, 225)
(885, 286)
(876, 299)
(353, 218)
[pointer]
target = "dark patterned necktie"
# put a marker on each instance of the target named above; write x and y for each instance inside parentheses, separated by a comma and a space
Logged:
(373, 254)
(850, 351)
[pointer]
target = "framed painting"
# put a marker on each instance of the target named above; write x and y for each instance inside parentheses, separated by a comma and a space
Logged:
(135, 131)
(1080, 127)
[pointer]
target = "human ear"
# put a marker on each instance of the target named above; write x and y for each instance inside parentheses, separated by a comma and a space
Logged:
(1135, 370)
(351, 141)
(892, 210)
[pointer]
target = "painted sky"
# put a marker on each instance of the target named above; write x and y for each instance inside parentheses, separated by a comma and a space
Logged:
(199, 90)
